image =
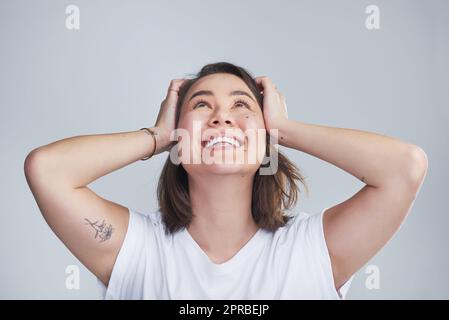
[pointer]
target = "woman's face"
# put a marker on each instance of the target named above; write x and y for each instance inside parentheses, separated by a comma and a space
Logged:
(222, 127)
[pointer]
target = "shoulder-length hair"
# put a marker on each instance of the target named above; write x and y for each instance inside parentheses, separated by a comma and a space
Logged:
(272, 194)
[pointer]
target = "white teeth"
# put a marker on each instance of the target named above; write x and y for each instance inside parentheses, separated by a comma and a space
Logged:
(229, 140)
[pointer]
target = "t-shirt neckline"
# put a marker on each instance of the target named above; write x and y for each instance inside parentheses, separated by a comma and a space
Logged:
(238, 259)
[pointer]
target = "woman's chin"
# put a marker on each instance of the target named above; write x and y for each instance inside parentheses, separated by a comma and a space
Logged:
(228, 168)
(223, 161)
(224, 168)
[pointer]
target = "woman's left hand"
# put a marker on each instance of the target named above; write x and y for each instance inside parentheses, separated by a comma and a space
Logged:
(274, 106)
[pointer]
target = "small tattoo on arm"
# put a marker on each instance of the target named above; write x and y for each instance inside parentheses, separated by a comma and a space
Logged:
(103, 231)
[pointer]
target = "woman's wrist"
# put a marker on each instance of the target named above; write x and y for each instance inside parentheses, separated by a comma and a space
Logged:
(162, 139)
(153, 145)
(279, 132)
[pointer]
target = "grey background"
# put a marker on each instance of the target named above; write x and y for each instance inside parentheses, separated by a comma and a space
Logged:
(112, 74)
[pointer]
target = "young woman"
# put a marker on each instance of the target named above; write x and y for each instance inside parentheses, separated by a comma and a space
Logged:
(222, 230)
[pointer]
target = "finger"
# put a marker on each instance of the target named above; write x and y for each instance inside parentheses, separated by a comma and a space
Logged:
(173, 91)
(265, 83)
(175, 85)
(264, 80)
(178, 83)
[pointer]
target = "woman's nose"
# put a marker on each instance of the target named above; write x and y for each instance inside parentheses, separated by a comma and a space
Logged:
(216, 121)
(221, 118)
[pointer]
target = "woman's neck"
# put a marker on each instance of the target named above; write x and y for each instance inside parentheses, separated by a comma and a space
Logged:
(222, 222)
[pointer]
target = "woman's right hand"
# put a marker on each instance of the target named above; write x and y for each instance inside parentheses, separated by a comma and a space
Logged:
(166, 119)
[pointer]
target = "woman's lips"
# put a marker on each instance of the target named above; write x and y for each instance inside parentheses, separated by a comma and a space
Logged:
(223, 145)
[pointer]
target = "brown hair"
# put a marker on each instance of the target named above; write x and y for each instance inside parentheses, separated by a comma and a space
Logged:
(272, 194)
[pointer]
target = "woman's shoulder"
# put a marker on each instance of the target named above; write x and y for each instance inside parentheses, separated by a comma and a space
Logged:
(298, 218)
(300, 225)
(149, 217)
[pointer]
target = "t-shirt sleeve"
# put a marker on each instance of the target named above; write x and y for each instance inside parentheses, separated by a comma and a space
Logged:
(126, 281)
(315, 233)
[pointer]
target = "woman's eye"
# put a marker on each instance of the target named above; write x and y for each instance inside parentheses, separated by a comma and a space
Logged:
(237, 104)
(199, 104)
(242, 104)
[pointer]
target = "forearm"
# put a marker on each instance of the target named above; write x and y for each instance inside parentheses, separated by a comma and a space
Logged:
(375, 159)
(79, 160)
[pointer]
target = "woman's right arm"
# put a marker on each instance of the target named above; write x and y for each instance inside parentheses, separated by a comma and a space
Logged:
(91, 227)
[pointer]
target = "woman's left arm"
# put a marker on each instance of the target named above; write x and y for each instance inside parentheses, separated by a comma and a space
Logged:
(393, 171)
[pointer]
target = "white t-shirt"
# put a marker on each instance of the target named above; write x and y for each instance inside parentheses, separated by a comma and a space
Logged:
(291, 263)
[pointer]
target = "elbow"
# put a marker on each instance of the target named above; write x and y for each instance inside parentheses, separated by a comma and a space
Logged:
(415, 168)
(33, 164)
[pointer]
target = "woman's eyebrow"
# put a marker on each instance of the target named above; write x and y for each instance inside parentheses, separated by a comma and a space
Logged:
(210, 93)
